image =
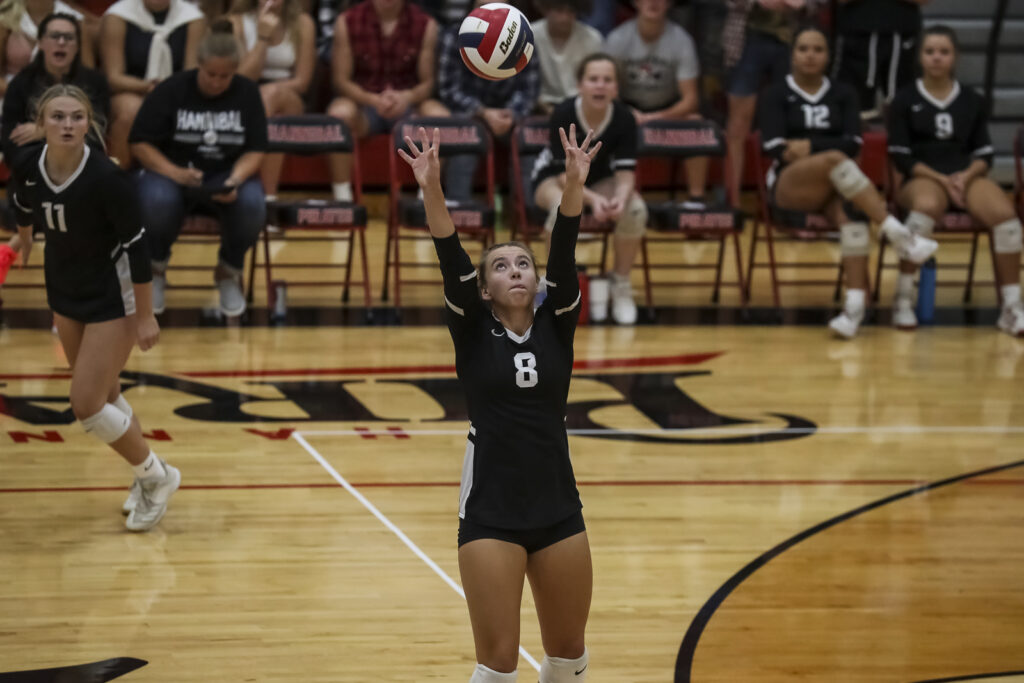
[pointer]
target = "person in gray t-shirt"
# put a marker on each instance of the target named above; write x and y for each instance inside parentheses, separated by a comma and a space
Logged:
(658, 64)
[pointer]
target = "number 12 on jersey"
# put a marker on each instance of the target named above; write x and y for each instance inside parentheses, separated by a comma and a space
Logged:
(50, 209)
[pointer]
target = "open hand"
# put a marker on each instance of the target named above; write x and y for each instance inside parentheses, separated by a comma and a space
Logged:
(577, 157)
(424, 161)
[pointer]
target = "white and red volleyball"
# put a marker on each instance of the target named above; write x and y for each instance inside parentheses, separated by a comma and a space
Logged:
(495, 41)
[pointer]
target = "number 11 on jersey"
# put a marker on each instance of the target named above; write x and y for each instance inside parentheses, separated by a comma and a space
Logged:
(49, 208)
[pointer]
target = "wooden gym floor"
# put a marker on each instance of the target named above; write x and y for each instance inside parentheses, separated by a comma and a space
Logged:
(764, 503)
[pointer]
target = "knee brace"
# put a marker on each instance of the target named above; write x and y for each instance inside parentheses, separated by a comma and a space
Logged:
(1006, 237)
(484, 675)
(920, 224)
(633, 221)
(549, 222)
(108, 425)
(848, 179)
(121, 404)
(558, 670)
(854, 239)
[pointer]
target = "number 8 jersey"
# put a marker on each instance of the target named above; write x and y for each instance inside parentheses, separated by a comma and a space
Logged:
(516, 473)
(946, 135)
(95, 248)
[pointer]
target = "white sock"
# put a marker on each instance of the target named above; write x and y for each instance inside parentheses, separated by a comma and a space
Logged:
(559, 670)
(905, 286)
(895, 231)
(150, 467)
(1011, 295)
(342, 191)
(855, 303)
(484, 675)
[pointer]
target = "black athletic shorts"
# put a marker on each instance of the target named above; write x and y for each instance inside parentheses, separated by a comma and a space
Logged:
(531, 539)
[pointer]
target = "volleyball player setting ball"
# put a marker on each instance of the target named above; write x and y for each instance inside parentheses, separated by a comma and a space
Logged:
(519, 509)
(98, 284)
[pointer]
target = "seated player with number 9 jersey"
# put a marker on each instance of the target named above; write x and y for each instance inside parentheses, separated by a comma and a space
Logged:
(939, 142)
(518, 505)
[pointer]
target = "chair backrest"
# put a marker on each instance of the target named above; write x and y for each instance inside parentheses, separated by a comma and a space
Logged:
(680, 139)
(459, 135)
(308, 134)
(530, 137)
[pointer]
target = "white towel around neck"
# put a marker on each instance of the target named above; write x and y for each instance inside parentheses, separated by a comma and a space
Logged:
(160, 63)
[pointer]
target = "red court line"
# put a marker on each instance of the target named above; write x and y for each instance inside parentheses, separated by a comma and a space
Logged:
(622, 483)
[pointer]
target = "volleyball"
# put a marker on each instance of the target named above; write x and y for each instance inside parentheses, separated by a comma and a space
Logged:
(495, 41)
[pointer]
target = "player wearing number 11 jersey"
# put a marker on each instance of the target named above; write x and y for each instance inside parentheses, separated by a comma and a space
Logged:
(518, 506)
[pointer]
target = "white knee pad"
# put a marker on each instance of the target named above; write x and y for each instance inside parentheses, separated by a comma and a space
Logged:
(854, 239)
(108, 425)
(484, 675)
(920, 224)
(121, 404)
(558, 670)
(1006, 237)
(848, 179)
(549, 222)
(633, 221)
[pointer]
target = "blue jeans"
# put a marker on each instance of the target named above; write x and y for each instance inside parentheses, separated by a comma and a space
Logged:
(165, 204)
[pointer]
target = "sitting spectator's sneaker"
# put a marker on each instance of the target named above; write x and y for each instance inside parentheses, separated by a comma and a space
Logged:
(844, 325)
(153, 496)
(232, 298)
(1012, 320)
(600, 290)
(692, 203)
(7, 258)
(159, 292)
(918, 249)
(903, 316)
(623, 306)
(133, 497)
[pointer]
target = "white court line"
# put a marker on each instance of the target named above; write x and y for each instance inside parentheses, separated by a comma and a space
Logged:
(709, 431)
(390, 525)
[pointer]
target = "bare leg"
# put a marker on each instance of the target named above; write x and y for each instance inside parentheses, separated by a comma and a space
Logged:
(492, 577)
(561, 578)
(741, 118)
(278, 100)
(349, 112)
(987, 202)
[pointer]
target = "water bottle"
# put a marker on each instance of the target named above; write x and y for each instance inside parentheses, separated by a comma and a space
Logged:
(926, 292)
(280, 300)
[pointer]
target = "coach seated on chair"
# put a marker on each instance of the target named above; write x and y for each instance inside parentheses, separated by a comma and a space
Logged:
(200, 136)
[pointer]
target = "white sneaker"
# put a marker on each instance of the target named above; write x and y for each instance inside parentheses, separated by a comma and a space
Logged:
(623, 306)
(903, 317)
(153, 496)
(232, 299)
(133, 497)
(1011, 321)
(919, 249)
(600, 290)
(159, 292)
(845, 326)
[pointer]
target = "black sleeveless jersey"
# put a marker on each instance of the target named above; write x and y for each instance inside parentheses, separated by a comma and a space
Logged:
(94, 237)
(944, 135)
(516, 473)
(830, 118)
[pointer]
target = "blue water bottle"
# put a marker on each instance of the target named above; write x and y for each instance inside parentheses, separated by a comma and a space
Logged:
(926, 292)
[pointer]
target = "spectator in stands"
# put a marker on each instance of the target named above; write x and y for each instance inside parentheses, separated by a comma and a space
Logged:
(142, 43)
(497, 103)
(57, 61)
(200, 137)
(757, 36)
(561, 43)
(876, 47)
(610, 191)
(19, 33)
(278, 52)
(658, 63)
(383, 68)
(939, 142)
(811, 127)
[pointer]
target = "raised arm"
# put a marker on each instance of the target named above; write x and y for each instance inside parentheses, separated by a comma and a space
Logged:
(426, 167)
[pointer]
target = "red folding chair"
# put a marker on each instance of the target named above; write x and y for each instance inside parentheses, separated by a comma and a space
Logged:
(670, 222)
(532, 135)
(407, 219)
(315, 220)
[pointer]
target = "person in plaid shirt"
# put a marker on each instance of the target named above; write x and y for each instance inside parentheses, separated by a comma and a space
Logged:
(497, 103)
